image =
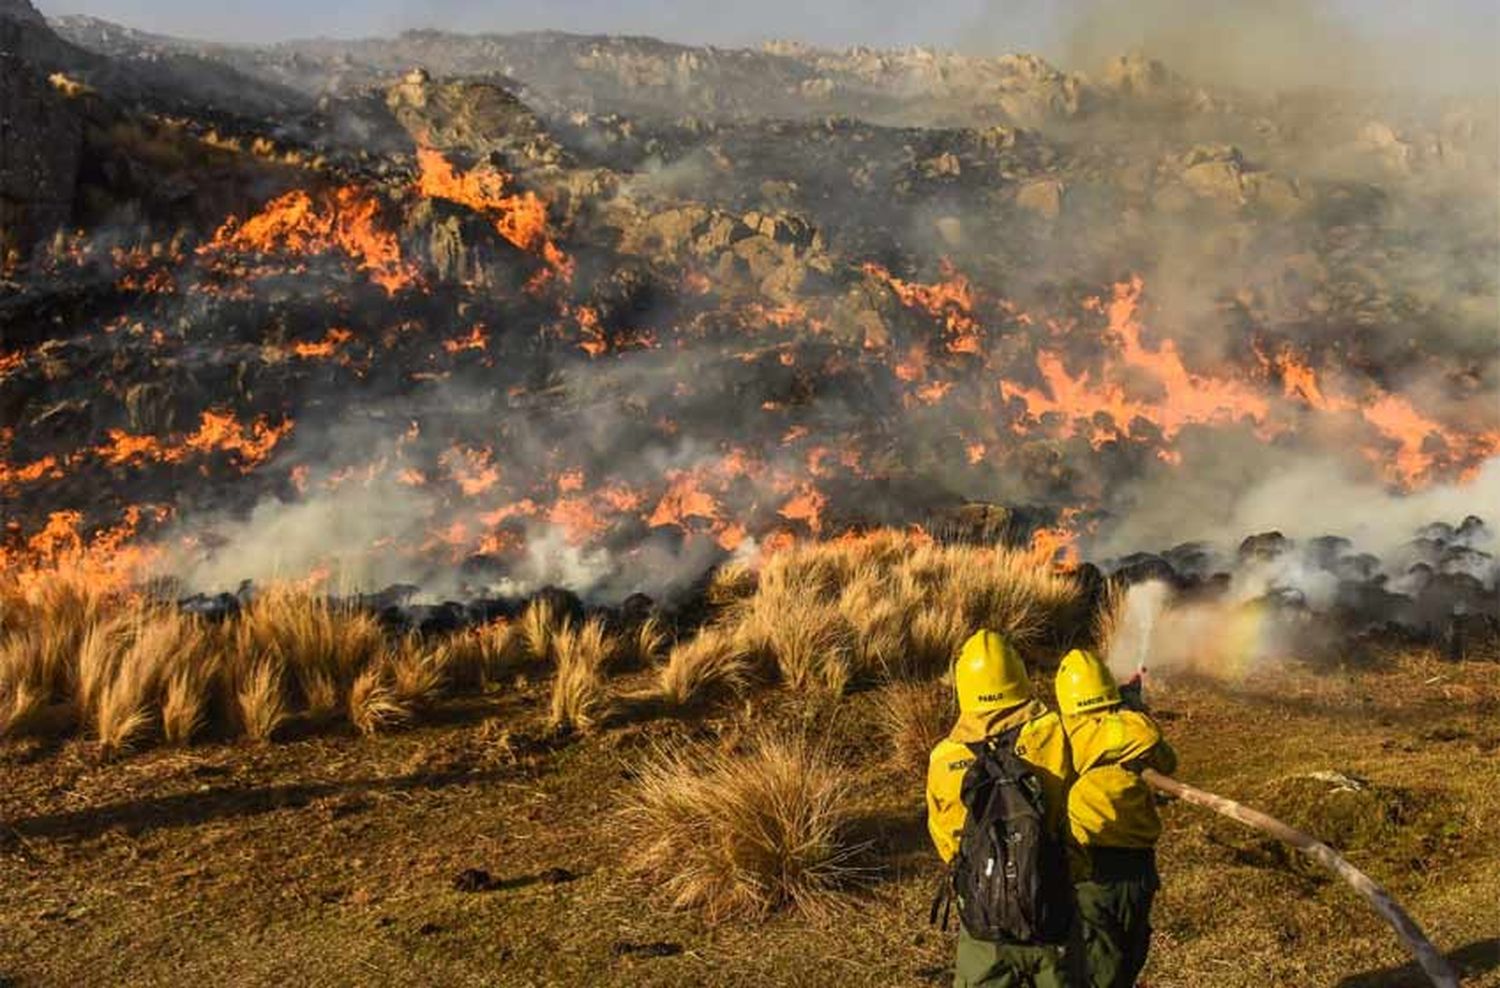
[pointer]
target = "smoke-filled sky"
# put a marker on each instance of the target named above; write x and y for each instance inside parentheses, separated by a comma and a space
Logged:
(1435, 44)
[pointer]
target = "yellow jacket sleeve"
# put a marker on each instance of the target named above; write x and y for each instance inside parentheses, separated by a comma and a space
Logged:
(1109, 805)
(945, 810)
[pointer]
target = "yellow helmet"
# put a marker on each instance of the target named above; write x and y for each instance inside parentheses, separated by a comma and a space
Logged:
(989, 675)
(1084, 683)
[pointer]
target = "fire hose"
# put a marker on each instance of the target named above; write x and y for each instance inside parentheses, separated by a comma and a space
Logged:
(1438, 970)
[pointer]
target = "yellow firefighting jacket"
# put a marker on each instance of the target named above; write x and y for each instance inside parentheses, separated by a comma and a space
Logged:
(1109, 804)
(1041, 743)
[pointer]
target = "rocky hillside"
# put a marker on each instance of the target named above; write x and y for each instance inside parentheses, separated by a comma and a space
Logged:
(520, 309)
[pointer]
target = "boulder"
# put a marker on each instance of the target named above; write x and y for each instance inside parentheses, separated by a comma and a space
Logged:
(1043, 197)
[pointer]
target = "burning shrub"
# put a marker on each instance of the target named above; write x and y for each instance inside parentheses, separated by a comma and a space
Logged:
(578, 693)
(742, 835)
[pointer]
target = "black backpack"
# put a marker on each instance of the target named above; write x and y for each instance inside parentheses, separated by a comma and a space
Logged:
(1010, 875)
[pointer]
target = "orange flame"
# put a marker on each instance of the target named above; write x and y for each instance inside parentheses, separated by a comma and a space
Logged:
(346, 219)
(1185, 398)
(521, 218)
(950, 300)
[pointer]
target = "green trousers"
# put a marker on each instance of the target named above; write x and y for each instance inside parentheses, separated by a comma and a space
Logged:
(1114, 914)
(993, 965)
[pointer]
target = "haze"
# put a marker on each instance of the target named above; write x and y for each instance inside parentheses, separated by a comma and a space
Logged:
(1441, 44)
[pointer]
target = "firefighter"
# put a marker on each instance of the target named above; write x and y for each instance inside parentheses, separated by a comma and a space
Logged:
(994, 696)
(1112, 820)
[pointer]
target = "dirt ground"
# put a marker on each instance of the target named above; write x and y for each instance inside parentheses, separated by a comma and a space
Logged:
(332, 860)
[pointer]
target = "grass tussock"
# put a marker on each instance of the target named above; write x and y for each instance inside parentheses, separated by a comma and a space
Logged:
(419, 671)
(579, 693)
(126, 669)
(819, 618)
(646, 643)
(539, 627)
(323, 645)
(480, 658)
(913, 717)
(374, 706)
(706, 666)
(258, 698)
(744, 835)
(886, 606)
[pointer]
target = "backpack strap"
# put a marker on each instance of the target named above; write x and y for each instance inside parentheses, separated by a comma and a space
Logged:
(943, 899)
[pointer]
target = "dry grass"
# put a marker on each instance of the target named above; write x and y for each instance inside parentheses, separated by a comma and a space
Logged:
(744, 835)
(890, 606)
(483, 656)
(258, 699)
(914, 717)
(322, 644)
(373, 704)
(1109, 619)
(539, 626)
(579, 694)
(646, 642)
(419, 671)
(817, 618)
(704, 667)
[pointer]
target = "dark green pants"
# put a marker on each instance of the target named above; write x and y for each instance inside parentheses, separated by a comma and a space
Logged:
(992, 965)
(1114, 913)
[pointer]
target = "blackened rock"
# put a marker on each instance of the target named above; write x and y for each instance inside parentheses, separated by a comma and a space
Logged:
(1362, 567)
(1091, 586)
(636, 609)
(1266, 546)
(428, 619)
(1473, 529)
(564, 603)
(1144, 567)
(974, 523)
(487, 609)
(473, 880)
(444, 618)
(1192, 559)
(1438, 531)
(659, 948)
(395, 595)
(1326, 550)
(214, 608)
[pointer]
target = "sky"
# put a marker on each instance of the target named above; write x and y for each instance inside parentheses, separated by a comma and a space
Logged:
(1431, 40)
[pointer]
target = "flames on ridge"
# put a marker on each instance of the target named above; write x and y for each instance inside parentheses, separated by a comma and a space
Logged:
(712, 424)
